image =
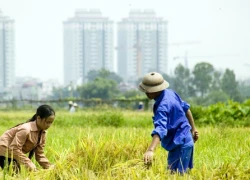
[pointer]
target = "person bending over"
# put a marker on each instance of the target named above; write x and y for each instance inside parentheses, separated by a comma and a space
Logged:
(173, 124)
(28, 137)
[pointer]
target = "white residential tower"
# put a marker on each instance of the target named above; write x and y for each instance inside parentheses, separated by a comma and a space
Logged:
(142, 45)
(88, 45)
(7, 52)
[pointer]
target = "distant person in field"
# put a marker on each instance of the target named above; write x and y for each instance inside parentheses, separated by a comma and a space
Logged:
(70, 103)
(140, 106)
(173, 124)
(28, 137)
(73, 108)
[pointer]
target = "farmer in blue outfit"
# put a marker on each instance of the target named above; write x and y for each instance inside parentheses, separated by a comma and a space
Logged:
(173, 122)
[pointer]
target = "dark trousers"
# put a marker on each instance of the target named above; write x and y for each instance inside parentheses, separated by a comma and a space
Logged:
(15, 164)
(180, 159)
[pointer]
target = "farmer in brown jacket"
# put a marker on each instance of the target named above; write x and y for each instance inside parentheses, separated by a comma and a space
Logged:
(26, 138)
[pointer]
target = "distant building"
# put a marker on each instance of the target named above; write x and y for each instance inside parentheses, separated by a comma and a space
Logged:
(28, 88)
(141, 45)
(88, 45)
(7, 52)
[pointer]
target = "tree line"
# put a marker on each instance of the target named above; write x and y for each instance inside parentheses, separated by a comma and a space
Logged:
(203, 85)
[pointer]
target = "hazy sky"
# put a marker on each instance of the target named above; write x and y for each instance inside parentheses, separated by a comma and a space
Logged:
(220, 30)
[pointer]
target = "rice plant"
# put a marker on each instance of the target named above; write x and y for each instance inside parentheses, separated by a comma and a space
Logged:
(81, 149)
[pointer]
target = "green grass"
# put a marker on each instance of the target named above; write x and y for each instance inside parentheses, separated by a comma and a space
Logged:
(80, 148)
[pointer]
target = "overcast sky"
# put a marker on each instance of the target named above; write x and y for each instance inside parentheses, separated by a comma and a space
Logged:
(216, 30)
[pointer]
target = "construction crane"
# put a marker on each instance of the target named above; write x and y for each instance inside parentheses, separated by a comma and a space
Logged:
(139, 54)
(186, 53)
(138, 48)
(186, 57)
(182, 57)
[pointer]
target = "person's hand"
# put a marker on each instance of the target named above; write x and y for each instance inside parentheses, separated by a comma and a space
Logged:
(195, 134)
(148, 157)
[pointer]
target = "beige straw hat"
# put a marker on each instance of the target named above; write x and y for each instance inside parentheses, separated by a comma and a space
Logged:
(70, 102)
(153, 82)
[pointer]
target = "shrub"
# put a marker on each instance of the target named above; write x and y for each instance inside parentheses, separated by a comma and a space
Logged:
(109, 118)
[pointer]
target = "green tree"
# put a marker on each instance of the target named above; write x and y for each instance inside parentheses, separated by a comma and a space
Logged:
(133, 94)
(244, 88)
(103, 73)
(215, 96)
(230, 86)
(63, 92)
(99, 88)
(182, 81)
(169, 79)
(203, 75)
(216, 82)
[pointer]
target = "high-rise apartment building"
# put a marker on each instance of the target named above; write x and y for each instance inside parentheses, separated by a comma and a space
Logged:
(141, 45)
(88, 45)
(7, 52)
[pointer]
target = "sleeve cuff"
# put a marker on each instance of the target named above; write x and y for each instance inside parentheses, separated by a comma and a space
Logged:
(156, 133)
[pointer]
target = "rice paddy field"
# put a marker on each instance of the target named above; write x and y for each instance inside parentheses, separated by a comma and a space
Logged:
(110, 144)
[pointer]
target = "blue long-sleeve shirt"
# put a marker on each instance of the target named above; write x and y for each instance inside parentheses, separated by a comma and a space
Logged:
(170, 121)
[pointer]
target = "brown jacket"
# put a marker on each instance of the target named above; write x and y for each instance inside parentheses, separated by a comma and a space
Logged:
(21, 140)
